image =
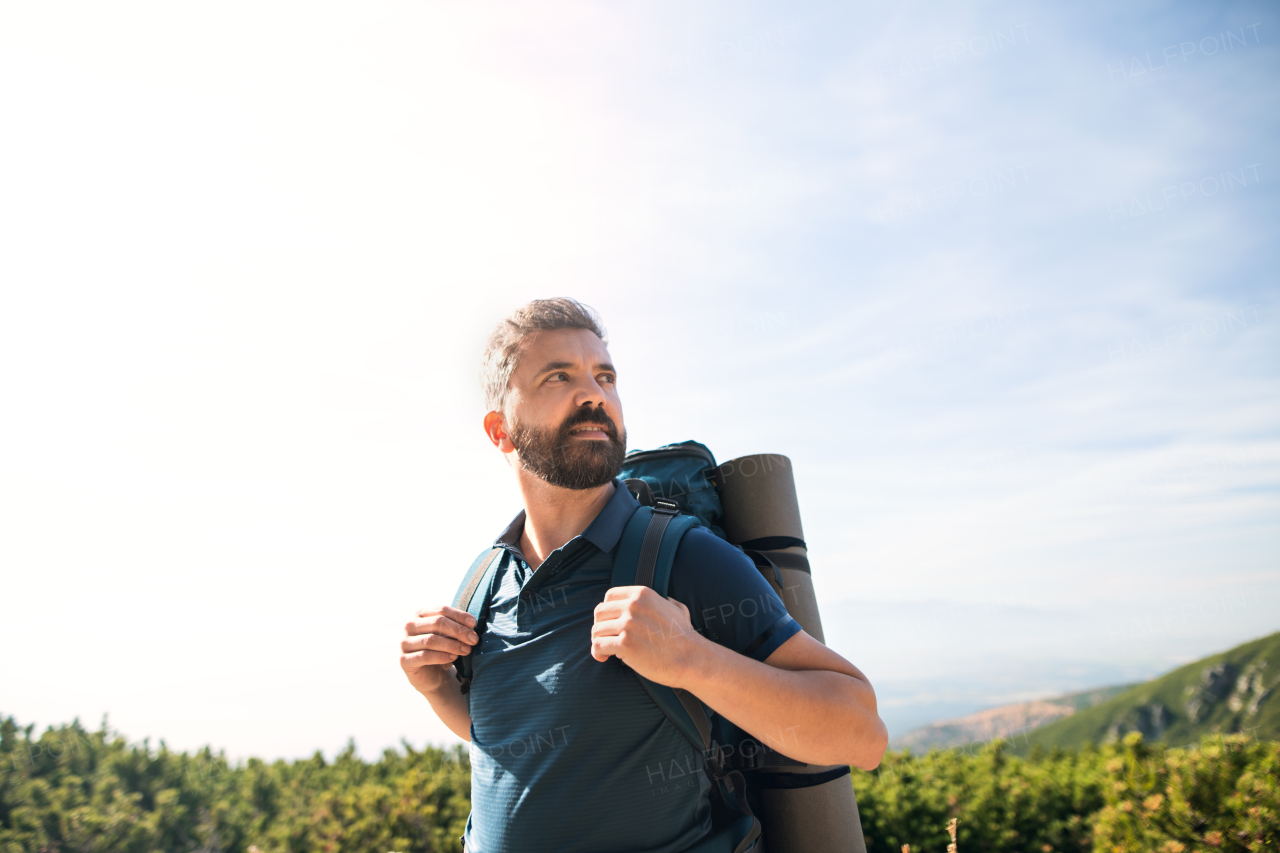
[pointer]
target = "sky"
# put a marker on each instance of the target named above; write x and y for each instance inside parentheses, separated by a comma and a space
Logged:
(998, 277)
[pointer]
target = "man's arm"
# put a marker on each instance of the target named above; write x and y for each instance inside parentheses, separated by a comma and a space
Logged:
(805, 701)
(433, 640)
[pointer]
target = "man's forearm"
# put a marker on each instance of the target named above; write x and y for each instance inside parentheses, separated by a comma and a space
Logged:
(817, 716)
(450, 705)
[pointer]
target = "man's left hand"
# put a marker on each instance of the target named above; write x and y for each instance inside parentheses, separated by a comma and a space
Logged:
(651, 634)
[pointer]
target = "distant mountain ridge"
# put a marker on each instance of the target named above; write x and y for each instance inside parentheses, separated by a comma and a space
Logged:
(1227, 693)
(1010, 722)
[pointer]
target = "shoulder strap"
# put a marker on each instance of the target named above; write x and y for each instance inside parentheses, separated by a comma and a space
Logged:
(648, 546)
(466, 593)
(646, 553)
(478, 577)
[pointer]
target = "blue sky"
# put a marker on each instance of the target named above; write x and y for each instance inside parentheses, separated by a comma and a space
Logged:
(999, 278)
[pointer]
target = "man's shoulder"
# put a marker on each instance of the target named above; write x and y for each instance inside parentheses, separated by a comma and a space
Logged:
(728, 598)
(703, 547)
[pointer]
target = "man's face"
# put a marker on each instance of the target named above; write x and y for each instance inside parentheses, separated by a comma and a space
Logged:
(564, 414)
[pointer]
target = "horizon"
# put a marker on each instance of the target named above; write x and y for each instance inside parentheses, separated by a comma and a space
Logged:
(895, 742)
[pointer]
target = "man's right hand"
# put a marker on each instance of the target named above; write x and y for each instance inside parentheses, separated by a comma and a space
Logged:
(433, 640)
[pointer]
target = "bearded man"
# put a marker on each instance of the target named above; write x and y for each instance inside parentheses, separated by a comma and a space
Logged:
(568, 752)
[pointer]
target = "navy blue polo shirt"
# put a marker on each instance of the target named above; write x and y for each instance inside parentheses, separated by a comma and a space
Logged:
(570, 754)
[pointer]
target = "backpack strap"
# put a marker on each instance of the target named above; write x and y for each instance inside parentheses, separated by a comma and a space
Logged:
(479, 576)
(762, 559)
(646, 553)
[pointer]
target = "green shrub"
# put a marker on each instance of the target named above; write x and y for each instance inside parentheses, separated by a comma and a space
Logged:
(74, 790)
(1130, 797)
(1004, 803)
(1223, 796)
(70, 789)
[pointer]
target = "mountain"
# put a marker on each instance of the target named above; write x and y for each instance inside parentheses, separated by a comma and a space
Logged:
(1234, 691)
(1007, 721)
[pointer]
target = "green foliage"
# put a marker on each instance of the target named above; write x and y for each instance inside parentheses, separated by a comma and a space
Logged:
(1223, 796)
(74, 790)
(1130, 797)
(1004, 803)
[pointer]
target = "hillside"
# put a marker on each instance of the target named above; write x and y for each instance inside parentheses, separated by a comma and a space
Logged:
(1234, 691)
(1006, 721)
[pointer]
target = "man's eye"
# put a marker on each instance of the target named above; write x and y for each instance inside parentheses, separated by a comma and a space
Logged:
(605, 377)
(561, 376)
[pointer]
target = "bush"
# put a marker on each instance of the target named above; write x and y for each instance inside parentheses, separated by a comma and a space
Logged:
(71, 789)
(1223, 796)
(1129, 797)
(74, 790)
(1004, 803)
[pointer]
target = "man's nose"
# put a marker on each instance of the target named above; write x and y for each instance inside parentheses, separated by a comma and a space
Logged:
(590, 393)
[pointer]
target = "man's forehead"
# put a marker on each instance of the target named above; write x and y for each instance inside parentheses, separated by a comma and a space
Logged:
(556, 350)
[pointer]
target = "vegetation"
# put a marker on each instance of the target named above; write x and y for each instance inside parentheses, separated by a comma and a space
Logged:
(1223, 796)
(74, 790)
(1234, 691)
(1003, 802)
(1130, 797)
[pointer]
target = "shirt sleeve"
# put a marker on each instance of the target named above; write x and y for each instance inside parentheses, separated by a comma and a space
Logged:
(729, 601)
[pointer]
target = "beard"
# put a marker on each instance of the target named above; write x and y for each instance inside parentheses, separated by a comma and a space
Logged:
(552, 455)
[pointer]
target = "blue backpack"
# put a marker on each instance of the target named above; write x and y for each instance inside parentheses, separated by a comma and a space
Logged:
(675, 486)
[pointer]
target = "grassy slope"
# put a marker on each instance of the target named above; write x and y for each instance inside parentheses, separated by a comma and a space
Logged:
(1234, 691)
(1091, 698)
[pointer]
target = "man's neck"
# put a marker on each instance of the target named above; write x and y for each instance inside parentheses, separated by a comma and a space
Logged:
(553, 516)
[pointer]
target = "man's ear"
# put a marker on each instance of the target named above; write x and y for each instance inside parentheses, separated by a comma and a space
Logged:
(496, 429)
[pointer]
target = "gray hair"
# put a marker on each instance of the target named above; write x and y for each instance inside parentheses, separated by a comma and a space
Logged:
(503, 349)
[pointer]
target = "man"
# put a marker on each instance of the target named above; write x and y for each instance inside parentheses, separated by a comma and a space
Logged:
(568, 752)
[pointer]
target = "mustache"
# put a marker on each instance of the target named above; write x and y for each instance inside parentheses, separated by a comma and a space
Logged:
(589, 415)
(552, 454)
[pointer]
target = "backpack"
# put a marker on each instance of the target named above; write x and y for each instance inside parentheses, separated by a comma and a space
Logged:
(677, 487)
(685, 477)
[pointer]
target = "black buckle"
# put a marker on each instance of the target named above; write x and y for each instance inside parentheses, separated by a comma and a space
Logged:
(716, 759)
(666, 506)
(464, 682)
(640, 490)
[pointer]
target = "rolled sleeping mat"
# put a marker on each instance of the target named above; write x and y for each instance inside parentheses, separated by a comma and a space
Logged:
(796, 590)
(819, 819)
(762, 513)
(758, 494)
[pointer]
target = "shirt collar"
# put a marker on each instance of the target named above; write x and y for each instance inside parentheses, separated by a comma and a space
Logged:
(603, 532)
